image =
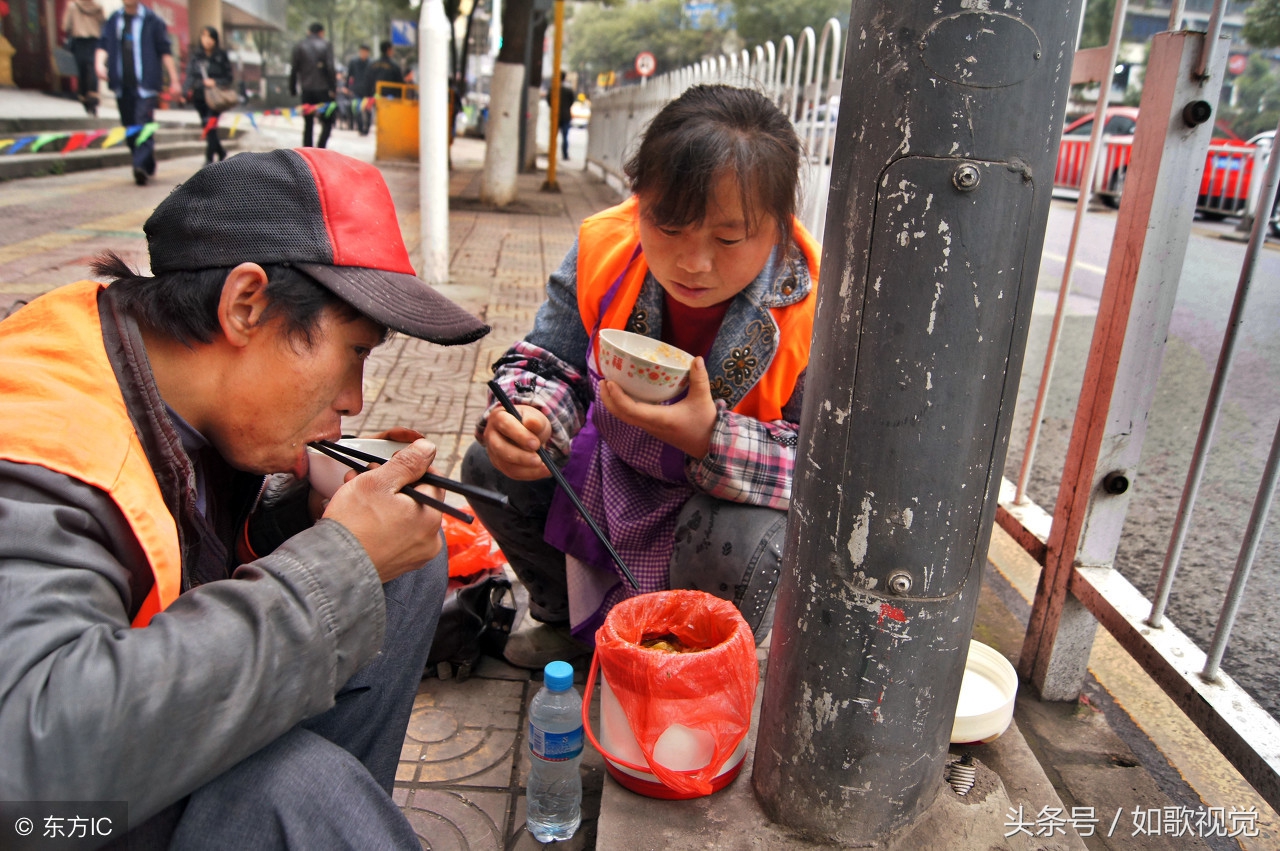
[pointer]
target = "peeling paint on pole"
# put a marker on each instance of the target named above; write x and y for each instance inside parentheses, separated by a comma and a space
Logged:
(935, 224)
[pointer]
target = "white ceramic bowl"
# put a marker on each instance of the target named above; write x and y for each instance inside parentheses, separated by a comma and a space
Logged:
(648, 370)
(987, 692)
(326, 474)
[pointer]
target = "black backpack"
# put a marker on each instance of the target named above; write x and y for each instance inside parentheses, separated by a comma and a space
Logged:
(478, 613)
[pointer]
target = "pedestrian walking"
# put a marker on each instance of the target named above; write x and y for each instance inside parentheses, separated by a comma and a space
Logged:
(314, 74)
(82, 22)
(385, 69)
(184, 629)
(209, 68)
(134, 56)
(567, 97)
(706, 256)
(360, 84)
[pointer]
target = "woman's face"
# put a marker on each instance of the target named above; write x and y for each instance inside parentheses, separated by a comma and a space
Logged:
(708, 262)
(207, 42)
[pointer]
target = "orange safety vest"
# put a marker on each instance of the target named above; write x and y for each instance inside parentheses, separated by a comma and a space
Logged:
(64, 411)
(606, 243)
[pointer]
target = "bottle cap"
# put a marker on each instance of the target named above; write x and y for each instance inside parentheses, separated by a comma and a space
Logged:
(557, 676)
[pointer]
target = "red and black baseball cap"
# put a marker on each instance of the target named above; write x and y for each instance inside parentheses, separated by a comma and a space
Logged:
(328, 215)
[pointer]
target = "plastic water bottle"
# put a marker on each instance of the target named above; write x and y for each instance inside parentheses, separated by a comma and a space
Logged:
(554, 794)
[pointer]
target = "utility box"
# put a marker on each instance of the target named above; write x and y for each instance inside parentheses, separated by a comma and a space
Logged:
(396, 110)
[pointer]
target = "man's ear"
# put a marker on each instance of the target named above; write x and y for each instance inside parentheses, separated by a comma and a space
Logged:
(243, 303)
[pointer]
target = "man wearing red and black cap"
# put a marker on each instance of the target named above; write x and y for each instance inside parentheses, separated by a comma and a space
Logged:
(177, 631)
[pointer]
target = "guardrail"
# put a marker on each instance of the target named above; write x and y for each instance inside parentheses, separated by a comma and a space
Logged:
(1230, 185)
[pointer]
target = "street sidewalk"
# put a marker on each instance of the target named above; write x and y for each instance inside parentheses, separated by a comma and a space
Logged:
(464, 762)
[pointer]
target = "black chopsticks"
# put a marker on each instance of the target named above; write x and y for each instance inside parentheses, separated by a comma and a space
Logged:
(551, 465)
(471, 492)
(431, 502)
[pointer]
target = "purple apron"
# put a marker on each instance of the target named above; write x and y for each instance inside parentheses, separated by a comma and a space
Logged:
(634, 485)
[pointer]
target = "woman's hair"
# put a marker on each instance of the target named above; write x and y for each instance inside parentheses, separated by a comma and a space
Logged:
(183, 305)
(708, 131)
(213, 32)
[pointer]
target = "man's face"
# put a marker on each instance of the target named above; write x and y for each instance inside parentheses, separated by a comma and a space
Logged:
(130, 6)
(282, 394)
(364, 53)
(707, 262)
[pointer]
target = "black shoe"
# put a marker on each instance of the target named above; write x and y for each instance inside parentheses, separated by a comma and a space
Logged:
(139, 176)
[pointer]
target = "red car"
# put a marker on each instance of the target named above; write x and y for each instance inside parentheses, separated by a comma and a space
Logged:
(1224, 188)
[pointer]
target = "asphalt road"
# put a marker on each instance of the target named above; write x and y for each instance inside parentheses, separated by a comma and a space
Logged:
(1237, 456)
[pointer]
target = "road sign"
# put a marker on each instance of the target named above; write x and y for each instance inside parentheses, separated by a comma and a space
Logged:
(1237, 63)
(646, 63)
(404, 33)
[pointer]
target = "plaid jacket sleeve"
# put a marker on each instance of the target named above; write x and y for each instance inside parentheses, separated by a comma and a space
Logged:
(533, 376)
(750, 461)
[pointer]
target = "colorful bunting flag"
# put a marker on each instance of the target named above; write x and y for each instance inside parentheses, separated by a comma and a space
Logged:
(114, 136)
(79, 140)
(44, 139)
(75, 142)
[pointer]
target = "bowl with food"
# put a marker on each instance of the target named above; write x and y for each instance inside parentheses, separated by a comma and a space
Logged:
(648, 370)
(326, 474)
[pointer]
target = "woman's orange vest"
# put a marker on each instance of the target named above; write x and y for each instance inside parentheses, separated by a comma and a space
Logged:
(606, 243)
(64, 411)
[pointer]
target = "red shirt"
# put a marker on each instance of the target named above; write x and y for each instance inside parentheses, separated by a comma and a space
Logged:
(691, 328)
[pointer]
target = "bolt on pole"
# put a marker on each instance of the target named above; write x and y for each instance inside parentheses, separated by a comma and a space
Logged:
(941, 181)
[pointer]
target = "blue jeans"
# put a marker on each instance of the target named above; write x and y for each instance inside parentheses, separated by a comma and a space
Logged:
(136, 111)
(327, 782)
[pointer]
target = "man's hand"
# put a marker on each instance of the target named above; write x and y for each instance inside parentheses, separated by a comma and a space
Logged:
(687, 425)
(513, 445)
(398, 533)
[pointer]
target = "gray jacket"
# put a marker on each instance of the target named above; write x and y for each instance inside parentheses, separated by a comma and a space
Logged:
(94, 710)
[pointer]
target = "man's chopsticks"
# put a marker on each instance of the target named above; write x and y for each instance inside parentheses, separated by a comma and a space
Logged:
(551, 465)
(471, 492)
(407, 490)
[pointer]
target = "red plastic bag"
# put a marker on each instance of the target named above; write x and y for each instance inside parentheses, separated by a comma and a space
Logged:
(711, 690)
(471, 548)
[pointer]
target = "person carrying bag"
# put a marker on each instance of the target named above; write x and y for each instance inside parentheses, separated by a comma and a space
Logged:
(208, 88)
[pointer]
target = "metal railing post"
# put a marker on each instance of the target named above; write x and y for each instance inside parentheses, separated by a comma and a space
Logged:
(1152, 231)
(941, 181)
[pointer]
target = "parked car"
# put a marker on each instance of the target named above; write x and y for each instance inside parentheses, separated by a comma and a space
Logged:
(1267, 141)
(1224, 188)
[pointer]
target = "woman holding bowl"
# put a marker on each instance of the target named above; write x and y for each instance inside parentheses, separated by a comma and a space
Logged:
(706, 256)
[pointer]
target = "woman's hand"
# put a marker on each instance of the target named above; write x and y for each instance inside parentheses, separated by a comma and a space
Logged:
(209, 83)
(687, 425)
(513, 445)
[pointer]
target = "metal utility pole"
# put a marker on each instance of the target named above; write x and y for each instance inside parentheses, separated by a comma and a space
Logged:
(942, 173)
